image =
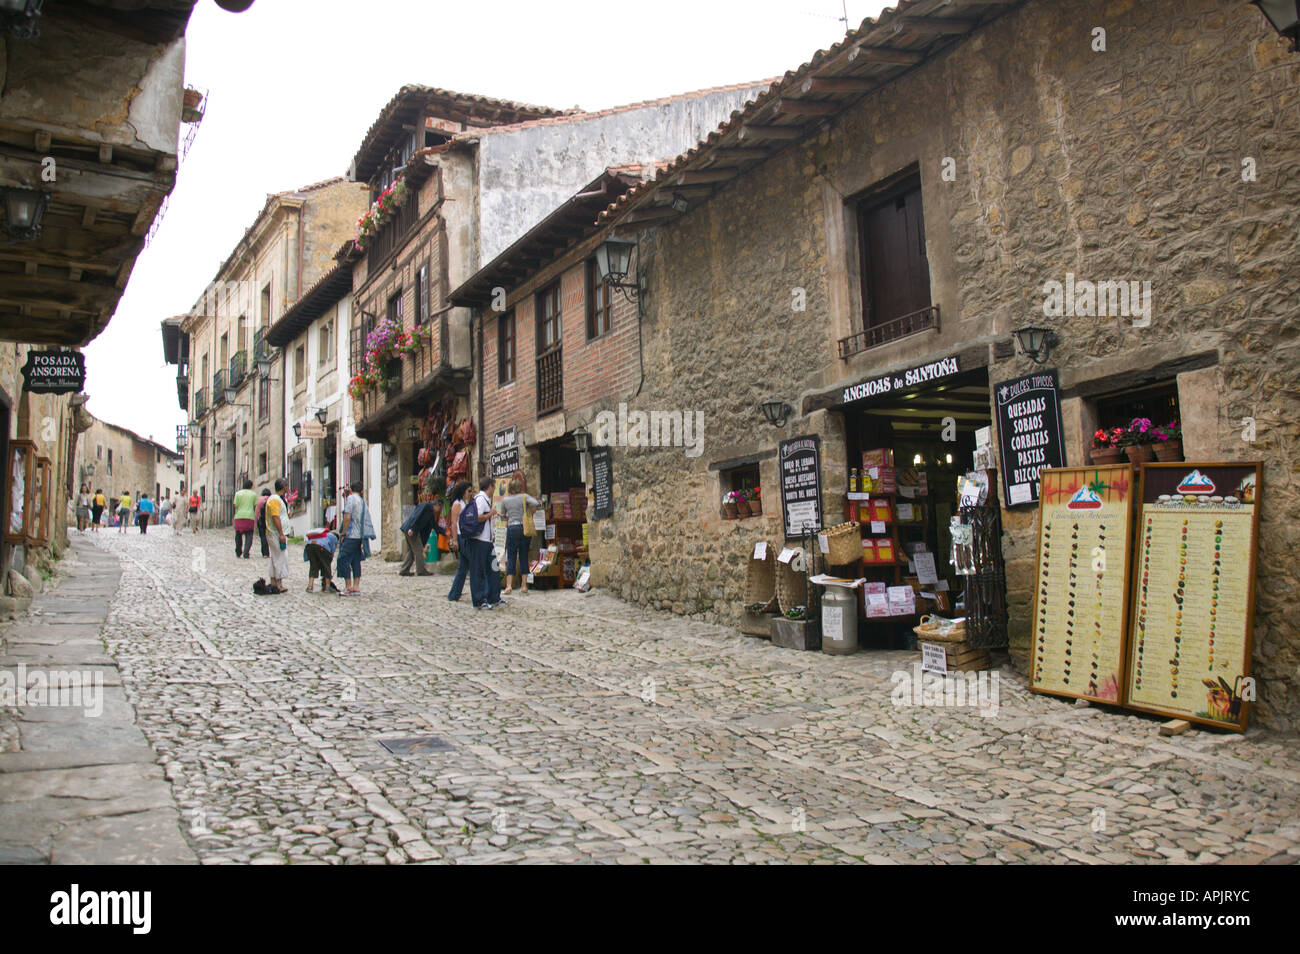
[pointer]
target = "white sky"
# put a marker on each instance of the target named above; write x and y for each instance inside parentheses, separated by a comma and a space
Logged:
(295, 84)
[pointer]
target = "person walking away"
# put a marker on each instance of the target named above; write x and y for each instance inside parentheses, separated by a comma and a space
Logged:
(144, 511)
(195, 501)
(319, 554)
(245, 515)
(415, 534)
(97, 505)
(259, 520)
(459, 496)
(467, 530)
(486, 547)
(164, 509)
(275, 515)
(83, 508)
(354, 532)
(514, 507)
(123, 512)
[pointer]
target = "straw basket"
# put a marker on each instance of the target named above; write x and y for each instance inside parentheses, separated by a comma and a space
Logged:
(760, 581)
(844, 543)
(936, 629)
(791, 587)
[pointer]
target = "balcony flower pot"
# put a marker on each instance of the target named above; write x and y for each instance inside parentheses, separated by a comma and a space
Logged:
(1169, 451)
(1139, 453)
(1107, 455)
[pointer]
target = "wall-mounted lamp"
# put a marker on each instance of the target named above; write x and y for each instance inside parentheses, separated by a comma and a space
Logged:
(412, 433)
(320, 415)
(776, 411)
(679, 203)
(24, 209)
(297, 431)
(613, 262)
(19, 18)
(1284, 17)
(1036, 342)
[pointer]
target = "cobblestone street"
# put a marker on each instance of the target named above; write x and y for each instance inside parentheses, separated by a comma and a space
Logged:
(578, 728)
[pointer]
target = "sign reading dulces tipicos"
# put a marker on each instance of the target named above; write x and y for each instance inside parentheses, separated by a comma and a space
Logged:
(1030, 435)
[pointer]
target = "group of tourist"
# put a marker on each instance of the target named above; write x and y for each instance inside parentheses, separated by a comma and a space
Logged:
(91, 508)
(333, 553)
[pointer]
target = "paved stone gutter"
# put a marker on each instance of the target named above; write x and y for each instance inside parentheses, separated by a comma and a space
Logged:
(78, 787)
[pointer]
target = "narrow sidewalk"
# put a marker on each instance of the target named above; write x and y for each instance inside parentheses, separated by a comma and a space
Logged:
(79, 784)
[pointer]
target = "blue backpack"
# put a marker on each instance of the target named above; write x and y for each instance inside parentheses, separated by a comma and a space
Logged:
(467, 524)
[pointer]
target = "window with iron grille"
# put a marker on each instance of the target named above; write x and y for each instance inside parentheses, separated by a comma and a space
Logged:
(600, 308)
(548, 318)
(263, 399)
(295, 475)
(355, 469)
(506, 349)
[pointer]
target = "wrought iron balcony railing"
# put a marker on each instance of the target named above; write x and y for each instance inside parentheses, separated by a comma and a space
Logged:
(238, 368)
(200, 402)
(219, 388)
(877, 335)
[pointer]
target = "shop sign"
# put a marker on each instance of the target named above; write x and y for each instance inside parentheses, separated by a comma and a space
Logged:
(602, 483)
(1030, 435)
(901, 380)
(801, 485)
(390, 471)
(503, 439)
(311, 430)
(503, 463)
(549, 428)
(54, 372)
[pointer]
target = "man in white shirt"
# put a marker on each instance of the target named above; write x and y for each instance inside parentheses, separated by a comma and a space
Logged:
(485, 545)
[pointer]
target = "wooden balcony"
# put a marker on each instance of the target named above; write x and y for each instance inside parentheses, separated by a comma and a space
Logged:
(550, 381)
(925, 319)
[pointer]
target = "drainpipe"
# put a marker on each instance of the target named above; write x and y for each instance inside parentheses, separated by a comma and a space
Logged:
(477, 359)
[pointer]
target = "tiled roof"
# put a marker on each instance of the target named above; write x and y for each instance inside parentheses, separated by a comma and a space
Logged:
(869, 57)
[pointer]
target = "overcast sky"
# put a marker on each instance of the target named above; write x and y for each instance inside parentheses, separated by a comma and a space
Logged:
(295, 84)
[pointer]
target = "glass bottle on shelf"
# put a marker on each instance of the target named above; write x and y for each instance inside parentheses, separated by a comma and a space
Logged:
(853, 481)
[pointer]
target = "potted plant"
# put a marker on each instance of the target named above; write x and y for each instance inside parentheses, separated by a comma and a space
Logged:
(738, 498)
(729, 509)
(1105, 446)
(755, 502)
(1137, 440)
(1169, 442)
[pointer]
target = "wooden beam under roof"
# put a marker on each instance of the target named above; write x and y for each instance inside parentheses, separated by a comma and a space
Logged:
(57, 293)
(655, 213)
(766, 133)
(807, 107)
(729, 154)
(932, 26)
(702, 176)
(836, 85)
(883, 55)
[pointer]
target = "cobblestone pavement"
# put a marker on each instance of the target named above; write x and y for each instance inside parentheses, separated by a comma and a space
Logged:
(579, 728)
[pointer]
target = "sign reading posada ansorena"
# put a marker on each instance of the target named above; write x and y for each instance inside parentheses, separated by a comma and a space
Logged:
(54, 372)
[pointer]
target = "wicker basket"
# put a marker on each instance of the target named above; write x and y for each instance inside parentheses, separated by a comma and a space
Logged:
(760, 581)
(844, 544)
(937, 629)
(791, 587)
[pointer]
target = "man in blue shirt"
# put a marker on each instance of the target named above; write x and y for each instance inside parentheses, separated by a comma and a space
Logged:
(415, 534)
(144, 510)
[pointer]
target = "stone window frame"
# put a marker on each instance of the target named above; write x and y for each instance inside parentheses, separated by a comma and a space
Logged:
(300, 368)
(503, 322)
(600, 314)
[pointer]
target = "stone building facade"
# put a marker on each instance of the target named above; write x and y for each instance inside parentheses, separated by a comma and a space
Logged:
(478, 172)
(220, 345)
(1026, 150)
(118, 460)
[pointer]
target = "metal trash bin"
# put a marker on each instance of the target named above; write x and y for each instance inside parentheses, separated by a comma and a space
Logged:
(839, 620)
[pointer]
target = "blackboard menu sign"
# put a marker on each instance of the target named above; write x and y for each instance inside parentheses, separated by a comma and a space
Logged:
(390, 471)
(1080, 595)
(504, 462)
(602, 483)
(1194, 592)
(1030, 435)
(801, 484)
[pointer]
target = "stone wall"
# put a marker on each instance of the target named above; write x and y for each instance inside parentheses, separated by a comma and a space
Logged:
(1118, 165)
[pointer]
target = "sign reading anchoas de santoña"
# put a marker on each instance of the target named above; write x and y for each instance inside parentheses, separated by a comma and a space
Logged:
(54, 372)
(900, 380)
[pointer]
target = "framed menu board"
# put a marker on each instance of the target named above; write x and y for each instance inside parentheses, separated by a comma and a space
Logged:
(1085, 518)
(1194, 592)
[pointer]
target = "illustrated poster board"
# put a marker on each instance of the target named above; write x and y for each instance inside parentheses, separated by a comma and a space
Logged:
(1194, 591)
(1085, 520)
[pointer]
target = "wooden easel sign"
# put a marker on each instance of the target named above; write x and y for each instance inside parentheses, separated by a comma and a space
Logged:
(1194, 592)
(1080, 599)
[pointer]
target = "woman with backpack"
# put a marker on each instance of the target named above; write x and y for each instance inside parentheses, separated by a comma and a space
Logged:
(459, 497)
